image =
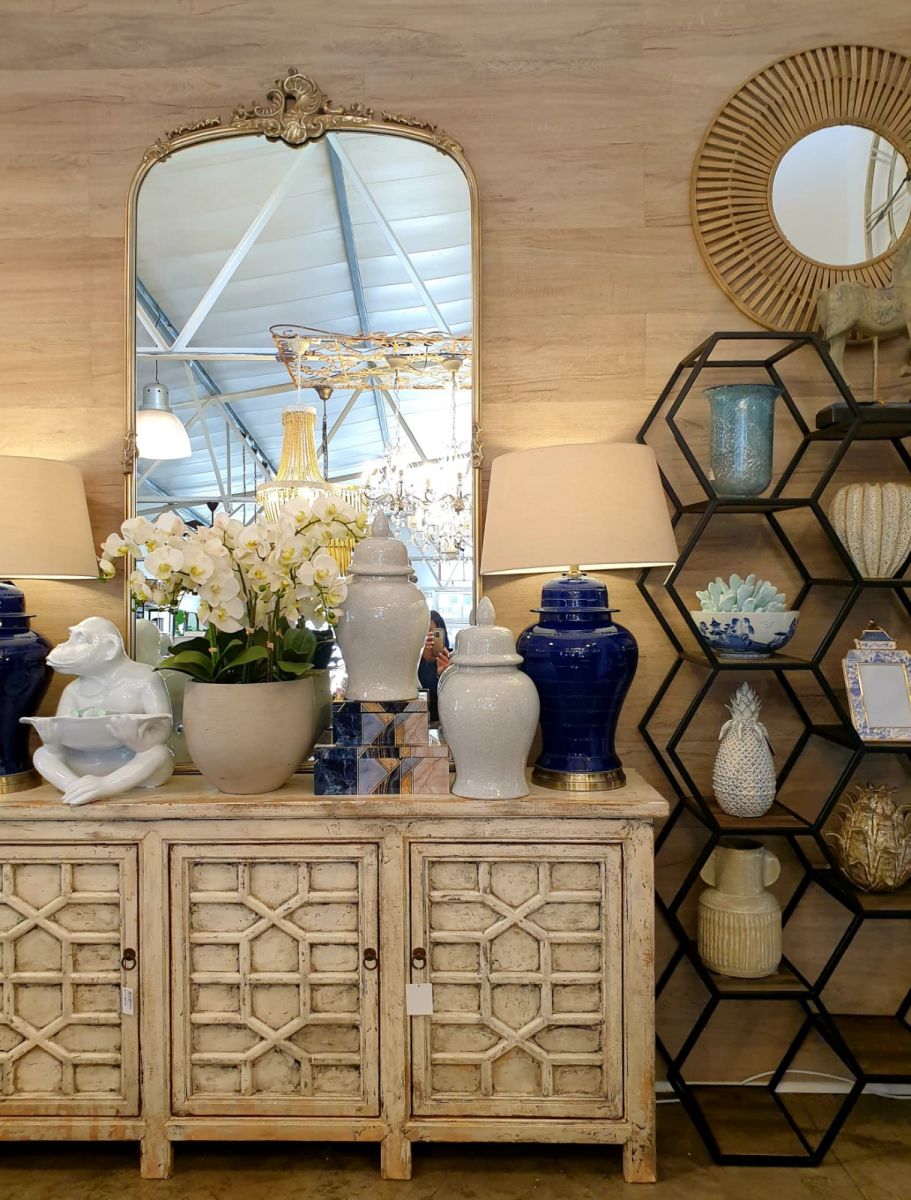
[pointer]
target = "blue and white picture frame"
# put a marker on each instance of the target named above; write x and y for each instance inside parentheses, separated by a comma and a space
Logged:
(878, 681)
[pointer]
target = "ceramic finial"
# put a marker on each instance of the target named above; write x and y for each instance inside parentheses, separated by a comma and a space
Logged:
(380, 526)
(485, 614)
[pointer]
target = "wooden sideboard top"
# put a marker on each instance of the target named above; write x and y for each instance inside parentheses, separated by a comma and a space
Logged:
(190, 797)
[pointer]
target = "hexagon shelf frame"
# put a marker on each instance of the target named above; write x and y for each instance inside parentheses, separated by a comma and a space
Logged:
(856, 1039)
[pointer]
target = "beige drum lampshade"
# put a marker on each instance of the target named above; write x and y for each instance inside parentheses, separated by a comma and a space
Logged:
(44, 521)
(598, 505)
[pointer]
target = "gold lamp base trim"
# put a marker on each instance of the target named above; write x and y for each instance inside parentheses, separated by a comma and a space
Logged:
(579, 781)
(21, 781)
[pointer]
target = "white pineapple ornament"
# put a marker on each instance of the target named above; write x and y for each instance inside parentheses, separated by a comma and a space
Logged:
(743, 776)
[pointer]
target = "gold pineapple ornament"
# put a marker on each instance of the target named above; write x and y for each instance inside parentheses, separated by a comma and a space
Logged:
(873, 845)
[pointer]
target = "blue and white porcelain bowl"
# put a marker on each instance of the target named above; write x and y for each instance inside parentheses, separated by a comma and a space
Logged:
(745, 634)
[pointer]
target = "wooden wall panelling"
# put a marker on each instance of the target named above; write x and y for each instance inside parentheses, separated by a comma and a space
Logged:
(580, 119)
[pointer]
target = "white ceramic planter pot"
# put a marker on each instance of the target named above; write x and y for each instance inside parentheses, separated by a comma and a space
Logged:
(248, 738)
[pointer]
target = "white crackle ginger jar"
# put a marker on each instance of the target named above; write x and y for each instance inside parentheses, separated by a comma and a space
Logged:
(384, 620)
(489, 711)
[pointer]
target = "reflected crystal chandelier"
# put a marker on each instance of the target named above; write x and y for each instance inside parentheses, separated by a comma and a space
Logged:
(430, 499)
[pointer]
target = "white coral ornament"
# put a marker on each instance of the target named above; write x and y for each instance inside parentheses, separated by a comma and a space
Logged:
(741, 595)
(744, 776)
(873, 521)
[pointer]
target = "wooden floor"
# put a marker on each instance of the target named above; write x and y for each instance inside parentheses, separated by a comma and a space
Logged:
(871, 1161)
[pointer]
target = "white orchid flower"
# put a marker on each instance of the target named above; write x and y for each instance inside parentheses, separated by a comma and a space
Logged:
(163, 562)
(197, 565)
(223, 585)
(223, 616)
(138, 532)
(325, 570)
(304, 574)
(170, 525)
(113, 547)
(336, 595)
(106, 568)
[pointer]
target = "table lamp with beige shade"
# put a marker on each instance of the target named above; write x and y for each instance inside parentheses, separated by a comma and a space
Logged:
(44, 534)
(596, 505)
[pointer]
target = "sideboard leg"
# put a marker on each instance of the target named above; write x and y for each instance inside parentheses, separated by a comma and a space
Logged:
(156, 1156)
(639, 1164)
(395, 1157)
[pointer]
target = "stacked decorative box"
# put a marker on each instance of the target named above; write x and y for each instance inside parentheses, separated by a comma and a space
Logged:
(381, 747)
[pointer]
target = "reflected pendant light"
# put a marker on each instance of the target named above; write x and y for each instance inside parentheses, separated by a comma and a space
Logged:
(298, 471)
(299, 474)
(160, 433)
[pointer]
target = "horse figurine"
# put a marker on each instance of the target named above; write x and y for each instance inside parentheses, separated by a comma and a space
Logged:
(882, 312)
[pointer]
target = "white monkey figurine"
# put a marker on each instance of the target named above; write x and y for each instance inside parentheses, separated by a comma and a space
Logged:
(127, 711)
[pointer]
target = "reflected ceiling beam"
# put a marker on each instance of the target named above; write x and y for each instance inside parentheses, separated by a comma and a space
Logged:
(237, 255)
(210, 354)
(354, 270)
(164, 330)
(204, 426)
(335, 143)
(232, 397)
(163, 499)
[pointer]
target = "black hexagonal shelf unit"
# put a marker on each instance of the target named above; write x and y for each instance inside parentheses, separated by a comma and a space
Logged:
(867, 1048)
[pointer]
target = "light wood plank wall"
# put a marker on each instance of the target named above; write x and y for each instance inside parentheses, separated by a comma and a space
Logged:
(581, 119)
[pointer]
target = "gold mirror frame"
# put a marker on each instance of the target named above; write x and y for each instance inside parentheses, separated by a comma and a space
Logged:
(731, 196)
(297, 111)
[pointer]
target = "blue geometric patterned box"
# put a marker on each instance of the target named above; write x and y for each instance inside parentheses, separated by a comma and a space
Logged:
(380, 722)
(381, 770)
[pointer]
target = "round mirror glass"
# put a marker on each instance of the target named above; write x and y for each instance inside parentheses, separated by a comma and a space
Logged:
(841, 195)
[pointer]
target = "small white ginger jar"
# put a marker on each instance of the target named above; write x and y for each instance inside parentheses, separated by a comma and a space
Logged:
(384, 620)
(739, 921)
(489, 711)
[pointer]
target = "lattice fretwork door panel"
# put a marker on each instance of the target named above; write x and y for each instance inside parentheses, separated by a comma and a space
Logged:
(274, 1009)
(67, 913)
(524, 951)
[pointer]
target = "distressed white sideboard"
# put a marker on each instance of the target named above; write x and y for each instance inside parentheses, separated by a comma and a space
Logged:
(179, 965)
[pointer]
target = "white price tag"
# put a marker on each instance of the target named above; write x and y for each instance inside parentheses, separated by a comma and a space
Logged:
(126, 1000)
(419, 999)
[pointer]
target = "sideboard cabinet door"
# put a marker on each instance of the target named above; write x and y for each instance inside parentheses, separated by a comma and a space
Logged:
(68, 914)
(523, 947)
(275, 1002)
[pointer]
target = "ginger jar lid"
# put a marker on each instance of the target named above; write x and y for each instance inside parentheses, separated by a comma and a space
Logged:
(380, 553)
(485, 644)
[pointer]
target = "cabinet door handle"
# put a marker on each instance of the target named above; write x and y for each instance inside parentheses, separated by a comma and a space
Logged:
(128, 959)
(419, 958)
(371, 959)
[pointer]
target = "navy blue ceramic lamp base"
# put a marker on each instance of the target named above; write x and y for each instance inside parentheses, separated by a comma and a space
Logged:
(24, 676)
(582, 664)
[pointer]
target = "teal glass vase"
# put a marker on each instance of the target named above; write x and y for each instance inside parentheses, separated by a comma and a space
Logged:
(743, 424)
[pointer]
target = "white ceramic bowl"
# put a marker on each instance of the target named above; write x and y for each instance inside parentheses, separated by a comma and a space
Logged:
(92, 733)
(745, 635)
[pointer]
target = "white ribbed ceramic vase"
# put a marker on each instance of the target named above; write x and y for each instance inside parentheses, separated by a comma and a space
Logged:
(489, 711)
(873, 521)
(739, 921)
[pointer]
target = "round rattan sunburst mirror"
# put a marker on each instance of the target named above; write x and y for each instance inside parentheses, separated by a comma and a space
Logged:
(766, 275)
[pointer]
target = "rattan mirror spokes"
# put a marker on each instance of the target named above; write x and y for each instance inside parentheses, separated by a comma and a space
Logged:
(739, 224)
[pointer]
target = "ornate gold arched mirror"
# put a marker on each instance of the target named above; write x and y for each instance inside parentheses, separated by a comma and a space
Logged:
(802, 180)
(302, 297)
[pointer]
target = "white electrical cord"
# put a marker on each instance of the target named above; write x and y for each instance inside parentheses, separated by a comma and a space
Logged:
(871, 1089)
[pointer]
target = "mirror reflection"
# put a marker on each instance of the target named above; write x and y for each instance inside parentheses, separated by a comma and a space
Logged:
(304, 315)
(841, 195)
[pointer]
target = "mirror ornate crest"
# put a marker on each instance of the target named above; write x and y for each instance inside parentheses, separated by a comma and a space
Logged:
(302, 300)
(802, 181)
